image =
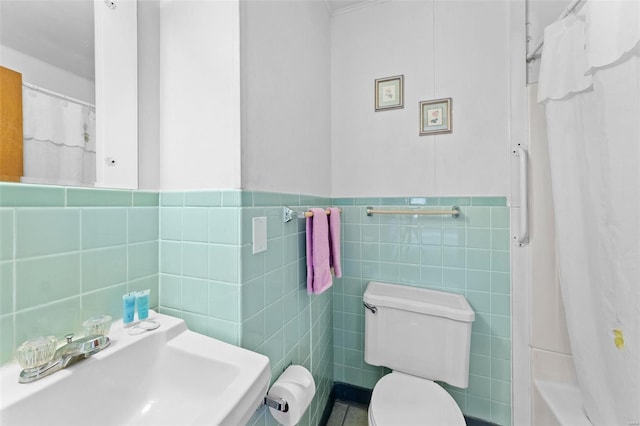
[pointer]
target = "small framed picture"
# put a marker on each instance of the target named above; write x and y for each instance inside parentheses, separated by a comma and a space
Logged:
(390, 93)
(435, 117)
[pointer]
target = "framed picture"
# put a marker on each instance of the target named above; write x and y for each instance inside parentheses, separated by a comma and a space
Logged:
(390, 93)
(435, 117)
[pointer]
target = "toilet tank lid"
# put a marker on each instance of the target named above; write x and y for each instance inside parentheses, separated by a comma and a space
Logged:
(420, 300)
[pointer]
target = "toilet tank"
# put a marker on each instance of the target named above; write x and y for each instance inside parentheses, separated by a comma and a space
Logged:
(425, 333)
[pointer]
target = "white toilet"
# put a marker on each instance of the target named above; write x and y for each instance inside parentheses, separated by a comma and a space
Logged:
(422, 335)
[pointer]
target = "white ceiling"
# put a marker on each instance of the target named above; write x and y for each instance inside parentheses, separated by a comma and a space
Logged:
(59, 32)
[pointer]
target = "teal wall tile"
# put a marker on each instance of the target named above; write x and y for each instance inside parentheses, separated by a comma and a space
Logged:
(104, 267)
(479, 259)
(195, 260)
(231, 199)
(224, 263)
(170, 291)
(224, 301)
(454, 201)
(488, 201)
(6, 288)
(500, 261)
(500, 239)
(142, 260)
(146, 199)
(266, 199)
(478, 238)
(500, 217)
(195, 224)
(223, 226)
(226, 331)
(175, 199)
(500, 282)
(102, 227)
(6, 234)
(7, 341)
(143, 224)
(46, 279)
(53, 319)
(171, 257)
(478, 280)
(195, 295)
(80, 197)
(203, 198)
(453, 257)
(21, 195)
(46, 231)
(107, 301)
(171, 223)
(478, 217)
(501, 413)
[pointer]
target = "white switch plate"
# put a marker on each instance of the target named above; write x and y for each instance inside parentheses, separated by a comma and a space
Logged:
(259, 234)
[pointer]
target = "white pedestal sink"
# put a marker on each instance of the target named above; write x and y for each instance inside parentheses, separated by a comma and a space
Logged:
(168, 376)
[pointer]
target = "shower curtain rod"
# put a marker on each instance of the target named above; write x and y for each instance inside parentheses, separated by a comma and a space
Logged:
(57, 95)
(575, 7)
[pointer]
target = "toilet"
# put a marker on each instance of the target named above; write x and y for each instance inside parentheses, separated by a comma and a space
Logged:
(423, 336)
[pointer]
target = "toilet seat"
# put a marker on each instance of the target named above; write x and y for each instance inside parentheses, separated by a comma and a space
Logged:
(401, 399)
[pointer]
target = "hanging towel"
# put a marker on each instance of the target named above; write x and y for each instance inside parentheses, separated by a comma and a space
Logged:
(318, 253)
(334, 241)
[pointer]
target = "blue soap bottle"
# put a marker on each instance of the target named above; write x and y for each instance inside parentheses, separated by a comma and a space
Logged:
(128, 308)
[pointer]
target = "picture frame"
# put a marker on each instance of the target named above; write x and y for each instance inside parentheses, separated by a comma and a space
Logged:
(389, 93)
(436, 117)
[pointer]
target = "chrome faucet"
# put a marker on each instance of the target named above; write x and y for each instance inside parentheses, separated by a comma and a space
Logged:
(66, 355)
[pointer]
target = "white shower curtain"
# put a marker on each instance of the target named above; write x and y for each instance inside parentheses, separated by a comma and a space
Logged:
(59, 140)
(590, 85)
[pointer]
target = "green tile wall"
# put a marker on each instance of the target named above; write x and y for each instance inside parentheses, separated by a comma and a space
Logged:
(468, 255)
(210, 277)
(67, 254)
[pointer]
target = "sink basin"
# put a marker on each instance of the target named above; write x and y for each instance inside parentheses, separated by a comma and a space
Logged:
(168, 376)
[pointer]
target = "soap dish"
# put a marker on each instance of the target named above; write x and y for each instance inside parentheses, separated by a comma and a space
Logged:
(143, 326)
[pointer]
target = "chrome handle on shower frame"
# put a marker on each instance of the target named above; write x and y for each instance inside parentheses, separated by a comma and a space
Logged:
(523, 238)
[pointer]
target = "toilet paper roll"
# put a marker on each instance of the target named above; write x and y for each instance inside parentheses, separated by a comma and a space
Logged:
(297, 387)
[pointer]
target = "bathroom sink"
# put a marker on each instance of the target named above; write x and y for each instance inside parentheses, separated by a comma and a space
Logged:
(168, 376)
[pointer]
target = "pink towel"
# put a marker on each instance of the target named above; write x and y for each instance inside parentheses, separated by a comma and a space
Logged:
(334, 241)
(318, 253)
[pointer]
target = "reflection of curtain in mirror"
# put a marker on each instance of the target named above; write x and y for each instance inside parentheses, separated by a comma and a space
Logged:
(59, 140)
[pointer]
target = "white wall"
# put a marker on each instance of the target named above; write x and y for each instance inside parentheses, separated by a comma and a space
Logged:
(199, 94)
(149, 94)
(444, 50)
(47, 76)
(116, 95)
(286, 135)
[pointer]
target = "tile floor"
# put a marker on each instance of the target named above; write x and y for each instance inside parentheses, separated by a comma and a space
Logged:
(346, 413)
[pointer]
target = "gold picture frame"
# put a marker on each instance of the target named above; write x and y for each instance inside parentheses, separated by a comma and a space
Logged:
(435, 117)
(389, 93)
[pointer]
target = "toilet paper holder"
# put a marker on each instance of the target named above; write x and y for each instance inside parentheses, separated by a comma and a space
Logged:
(279, 404)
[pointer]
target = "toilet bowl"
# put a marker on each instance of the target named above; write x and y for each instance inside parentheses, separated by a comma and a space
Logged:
(401, 399)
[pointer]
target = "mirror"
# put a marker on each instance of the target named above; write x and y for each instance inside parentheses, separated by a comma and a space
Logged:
(66, 52)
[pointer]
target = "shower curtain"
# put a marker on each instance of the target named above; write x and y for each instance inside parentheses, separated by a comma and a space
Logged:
(59, 140)
(590, 86)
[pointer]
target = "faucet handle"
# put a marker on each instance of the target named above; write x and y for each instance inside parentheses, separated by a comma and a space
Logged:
(69, 337)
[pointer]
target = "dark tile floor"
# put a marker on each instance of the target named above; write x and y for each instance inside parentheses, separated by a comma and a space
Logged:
(346, 413)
